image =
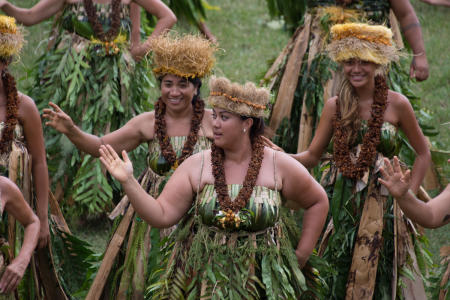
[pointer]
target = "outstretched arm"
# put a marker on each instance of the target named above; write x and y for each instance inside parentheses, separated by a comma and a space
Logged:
(311, 156)
(410, 27)
(173, 202)
(16, 206)
(166, 19)
(312, 199)
(433, 214)
(126, 138)
(43, 10)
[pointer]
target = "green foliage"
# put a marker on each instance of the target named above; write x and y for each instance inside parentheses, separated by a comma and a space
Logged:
(75, 262)
(100, 93)
(91, 191)
(292, 11)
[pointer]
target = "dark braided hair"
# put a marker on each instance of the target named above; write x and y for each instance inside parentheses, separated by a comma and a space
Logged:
(12, 104)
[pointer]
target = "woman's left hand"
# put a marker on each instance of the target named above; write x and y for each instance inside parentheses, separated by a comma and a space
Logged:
(12, 275)
(120, 169)
(302, 259)
(139, 51)
(419, 67)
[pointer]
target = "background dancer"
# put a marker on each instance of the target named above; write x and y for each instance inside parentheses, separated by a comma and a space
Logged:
(91, 70)
(363, 122)
(179, 127)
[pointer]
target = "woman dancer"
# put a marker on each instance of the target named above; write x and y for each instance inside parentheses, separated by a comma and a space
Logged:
(12, 201)
(363, 122)
(230, 248)
(21, 140)
(318, 80)
(179, 127)
(91, 70)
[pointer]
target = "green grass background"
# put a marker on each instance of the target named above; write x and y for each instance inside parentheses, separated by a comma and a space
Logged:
(247, 43)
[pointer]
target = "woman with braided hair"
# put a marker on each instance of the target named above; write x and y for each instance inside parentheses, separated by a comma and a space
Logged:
(231, 241)
(367, 248)
(178, 127)
(22, 159)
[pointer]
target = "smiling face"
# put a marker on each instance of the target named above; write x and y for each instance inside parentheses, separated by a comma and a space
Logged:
(229, 128)
(359, 73)
(177, 92)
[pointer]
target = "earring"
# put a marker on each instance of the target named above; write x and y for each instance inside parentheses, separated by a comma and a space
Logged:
(244, 130)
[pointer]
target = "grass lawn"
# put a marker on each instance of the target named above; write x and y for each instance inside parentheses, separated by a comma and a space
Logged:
(247, 43)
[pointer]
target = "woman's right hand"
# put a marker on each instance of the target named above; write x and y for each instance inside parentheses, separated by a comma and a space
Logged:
(12, 275)
(58, 119)
(122, 170)
(393, 178)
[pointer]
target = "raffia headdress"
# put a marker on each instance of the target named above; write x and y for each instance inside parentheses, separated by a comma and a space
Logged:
(185, 56)
(366, 42)
(11, 37)
(244, 100)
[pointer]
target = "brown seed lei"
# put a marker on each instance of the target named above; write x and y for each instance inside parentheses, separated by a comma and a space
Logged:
(370, 140)
(12, 103)
(217, 160)
(98, 28)
(164, 141)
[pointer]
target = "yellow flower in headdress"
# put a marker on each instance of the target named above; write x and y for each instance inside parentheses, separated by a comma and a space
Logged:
(185, 56)
(363, 41)
(11, 37)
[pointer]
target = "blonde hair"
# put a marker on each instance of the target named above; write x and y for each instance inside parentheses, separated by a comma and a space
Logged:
(348, 106)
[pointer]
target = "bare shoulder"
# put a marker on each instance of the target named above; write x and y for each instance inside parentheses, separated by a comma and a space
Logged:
(26, 105)
(329, 107)
(285, 163)
(144, 124)
(7, 186)
(193, 162)
(397, 100)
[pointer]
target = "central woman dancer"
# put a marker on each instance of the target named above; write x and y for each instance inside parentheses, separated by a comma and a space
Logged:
(231, 241)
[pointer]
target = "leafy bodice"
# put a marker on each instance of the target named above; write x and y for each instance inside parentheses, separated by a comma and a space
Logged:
(159, 164)
(261, 212)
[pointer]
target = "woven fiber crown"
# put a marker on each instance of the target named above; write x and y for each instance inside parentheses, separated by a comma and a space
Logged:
(362, 41)
(245, 100)
(11, 37)
(186, 56)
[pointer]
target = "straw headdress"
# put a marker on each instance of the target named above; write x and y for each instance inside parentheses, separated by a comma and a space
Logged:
(11, 37)
(244, 100)
(363, 41)
(185, 56)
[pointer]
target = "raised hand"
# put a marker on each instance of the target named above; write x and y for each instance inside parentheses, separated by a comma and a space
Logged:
(393, 178)
(12, 275)
(120, 169)
(139, 51)
(58, 119)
